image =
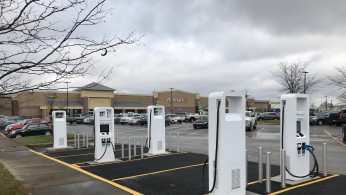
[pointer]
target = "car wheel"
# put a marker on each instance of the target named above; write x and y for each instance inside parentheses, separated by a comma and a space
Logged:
(338, 124)
(195, 127)
(47, 133)
(192, 120)
(319, 122)
(18, 135)
(255, 125)
(260, 119)
(275, 118)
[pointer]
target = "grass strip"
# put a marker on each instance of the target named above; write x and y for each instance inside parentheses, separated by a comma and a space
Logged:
(269, 122)
(8, 184)
(38, 139)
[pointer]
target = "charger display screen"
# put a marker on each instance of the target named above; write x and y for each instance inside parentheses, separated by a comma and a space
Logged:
(104, 128)
(299, 127)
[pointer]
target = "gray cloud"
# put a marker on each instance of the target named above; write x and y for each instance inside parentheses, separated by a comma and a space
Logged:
(205, 46)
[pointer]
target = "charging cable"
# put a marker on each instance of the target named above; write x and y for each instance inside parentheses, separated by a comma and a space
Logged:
(148, 141)
(216, 151)
(102, 154)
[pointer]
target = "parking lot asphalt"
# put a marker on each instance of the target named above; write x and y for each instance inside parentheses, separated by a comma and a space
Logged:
(265, 136)
(191, 140)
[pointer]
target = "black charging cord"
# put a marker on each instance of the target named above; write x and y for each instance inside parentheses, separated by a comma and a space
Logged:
(103, 153)
(148, 141)
(216, 151)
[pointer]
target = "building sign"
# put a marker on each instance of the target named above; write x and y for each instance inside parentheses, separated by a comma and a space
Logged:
(179, 100)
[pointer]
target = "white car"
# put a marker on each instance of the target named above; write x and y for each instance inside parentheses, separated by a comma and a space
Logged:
(175, 118)
(127, 117)
(250, 121)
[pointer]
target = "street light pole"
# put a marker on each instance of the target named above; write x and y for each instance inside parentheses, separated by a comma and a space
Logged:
(67, 111)
(326, 104)
(171, 99)
(305, 80)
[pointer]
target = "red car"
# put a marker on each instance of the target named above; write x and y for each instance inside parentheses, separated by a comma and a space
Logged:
(22, 123)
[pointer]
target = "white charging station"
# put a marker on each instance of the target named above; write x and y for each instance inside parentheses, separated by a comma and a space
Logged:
(59, 127)
(156, 130)
(227, 119)
(104, 134)
(294, 129)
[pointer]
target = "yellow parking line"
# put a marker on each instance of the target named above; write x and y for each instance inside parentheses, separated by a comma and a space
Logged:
(336, 139)
(131, 160)
(156, 172)
(305, 184)
(250, 183)
(252, 134)
(90, 174)
(2, 135)
(84, 154)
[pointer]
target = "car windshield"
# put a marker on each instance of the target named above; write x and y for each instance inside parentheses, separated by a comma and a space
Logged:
(21, 122)
(247, 114)
(322, 113)
(203, 118)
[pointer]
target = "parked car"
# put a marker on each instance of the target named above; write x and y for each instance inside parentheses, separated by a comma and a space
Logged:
(89, 120)
(127, 117)
(338, 118)
(202, 122)
(21, 124)
(320, 119)
(9, 120)
(144, 120)
(117, 118)
(175, 118)
(135, 120)
(269, 116)
(77, 118)
(167, 120)
(250, 121)
(31, 130)
(182, 115)
(192, 117)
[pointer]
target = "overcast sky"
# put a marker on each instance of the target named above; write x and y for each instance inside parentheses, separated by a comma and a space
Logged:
(207, 45)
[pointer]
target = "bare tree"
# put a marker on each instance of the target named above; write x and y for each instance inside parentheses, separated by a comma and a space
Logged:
(292, 78)
(339, 81)
(41, 42)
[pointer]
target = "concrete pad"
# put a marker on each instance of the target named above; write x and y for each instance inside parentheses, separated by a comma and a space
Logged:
(292, 183)
(85, 188)
(59, 149)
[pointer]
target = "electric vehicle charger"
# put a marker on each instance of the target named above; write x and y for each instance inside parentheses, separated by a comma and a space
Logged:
(314, 172)
(216, 151)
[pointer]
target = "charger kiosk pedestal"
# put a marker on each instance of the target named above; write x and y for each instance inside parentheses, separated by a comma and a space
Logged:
(104, 134)
(156, 130)
(294, 129)
(227, 143)
(59, 127)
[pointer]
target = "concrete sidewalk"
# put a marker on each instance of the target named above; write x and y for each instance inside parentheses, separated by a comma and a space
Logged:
(40, 175)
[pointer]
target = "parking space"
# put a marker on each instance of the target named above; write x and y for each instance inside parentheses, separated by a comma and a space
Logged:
(181, 173)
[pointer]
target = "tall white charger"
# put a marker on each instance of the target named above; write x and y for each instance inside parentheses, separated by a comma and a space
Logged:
(59, 127)
(104, 134)
(295, 131)
(156, 130)
(230, 176)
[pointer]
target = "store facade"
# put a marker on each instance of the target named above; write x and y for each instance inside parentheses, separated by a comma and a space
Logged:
(40, 103)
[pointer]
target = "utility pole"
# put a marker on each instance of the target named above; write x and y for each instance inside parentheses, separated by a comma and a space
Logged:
(305, 81)
(67, 111)
(171, 99)
(326, 104)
